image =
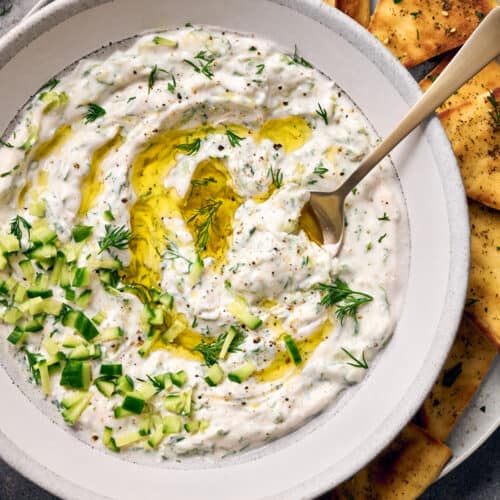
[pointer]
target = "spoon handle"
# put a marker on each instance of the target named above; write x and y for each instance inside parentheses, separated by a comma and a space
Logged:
(481, 48)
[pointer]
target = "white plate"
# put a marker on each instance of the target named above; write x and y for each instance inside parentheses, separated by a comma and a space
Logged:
(345, 437)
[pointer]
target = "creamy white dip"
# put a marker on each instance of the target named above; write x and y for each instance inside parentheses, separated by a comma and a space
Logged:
(276, 129)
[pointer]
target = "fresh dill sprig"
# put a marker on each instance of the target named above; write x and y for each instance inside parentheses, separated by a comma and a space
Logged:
(320, 170)
(50, 85)
(202, 64)
(207, 214)
(321, 112)
(346, 300)
(357, 363)
(6, 144)
(211, 350)
(190, 148)
(495, 113)
(115, 237)
(204, 181)
(5, 9)
(94, 112)
(276, 177)
(153, 75)
(233, 138)
(16, 229)
(172, 252)
(171, 86)
(298, 59)
(157, 382)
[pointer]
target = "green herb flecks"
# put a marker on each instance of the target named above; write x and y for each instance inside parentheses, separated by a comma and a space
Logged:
(50, 85)
(233, 138)
(172, 252)
(276, 177)
(6, 144)
(471, 302)
(357, 363)
(94, 112)
(321, 112)
(16, 225)
(153, 75)
(320, 170)
(190, 148)
(480, 15)
(205, 216)
(382, 237)
(260, 68)
(204, 181)
(495, 113)
(384, 217)
(298, 59)
(171, 86)
(210, 351)
(115, 237)
(202, 64)
(5, 9)
(346, 300)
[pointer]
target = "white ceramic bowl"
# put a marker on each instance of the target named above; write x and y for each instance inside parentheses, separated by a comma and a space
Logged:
(345, 437)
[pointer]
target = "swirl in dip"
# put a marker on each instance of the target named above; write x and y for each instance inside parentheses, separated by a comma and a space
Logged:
(158, 281)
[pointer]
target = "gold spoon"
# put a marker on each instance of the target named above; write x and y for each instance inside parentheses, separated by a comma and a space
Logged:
(481, 48)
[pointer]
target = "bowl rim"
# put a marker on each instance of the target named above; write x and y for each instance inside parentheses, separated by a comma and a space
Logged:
(60, 10)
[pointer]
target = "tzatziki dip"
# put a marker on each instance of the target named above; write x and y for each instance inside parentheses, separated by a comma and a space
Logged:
(163, 282)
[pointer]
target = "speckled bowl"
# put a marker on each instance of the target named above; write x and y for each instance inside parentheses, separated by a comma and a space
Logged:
(346, 436)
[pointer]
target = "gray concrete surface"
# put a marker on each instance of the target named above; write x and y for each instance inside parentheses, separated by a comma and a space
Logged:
(478, 478)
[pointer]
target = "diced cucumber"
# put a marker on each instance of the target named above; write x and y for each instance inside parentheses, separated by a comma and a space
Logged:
(242, 373)
(240, 310)
(27, 269)
(157, 431)
(105, 386)
(32, 306)
(204, 425)
(12, 315)
(20, 295)
(166, 300)
(179, 378)
(99, 318)
(186, 410)
(215, 375)
(105, 264)
(50, 346)
(44, 294)
(9, 244)
(17, 336)
(43, 252)
(124, 384)
(81, 233)
(133, 404)
(145, 426)
(43, 370)
(3, 261)
(71, 399)
(51, 306)
(72, 251)
(159, 40)
(109, 334)
(150, 340)
(80, 322)
(128, 438)
(192, 426)
(37, 208)
(66, 275)
(73, 413)
(42, 235)
(83, 299)
(34, 324)
(72, 341)
(69, 294)
(120, 412)
(196, 270)
(111, 370)
(76, 374)
(172, 424)
(177, 327)
(81, 277)
(231, 333)
(145, 390)
(83, 352)
(174, 402)
(108, 440)
(164, 380)
(293, 350)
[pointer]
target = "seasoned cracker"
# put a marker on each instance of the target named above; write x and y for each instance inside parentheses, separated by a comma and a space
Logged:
(359, 10)
(417, 30)
(467, 364)
(403, 470)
